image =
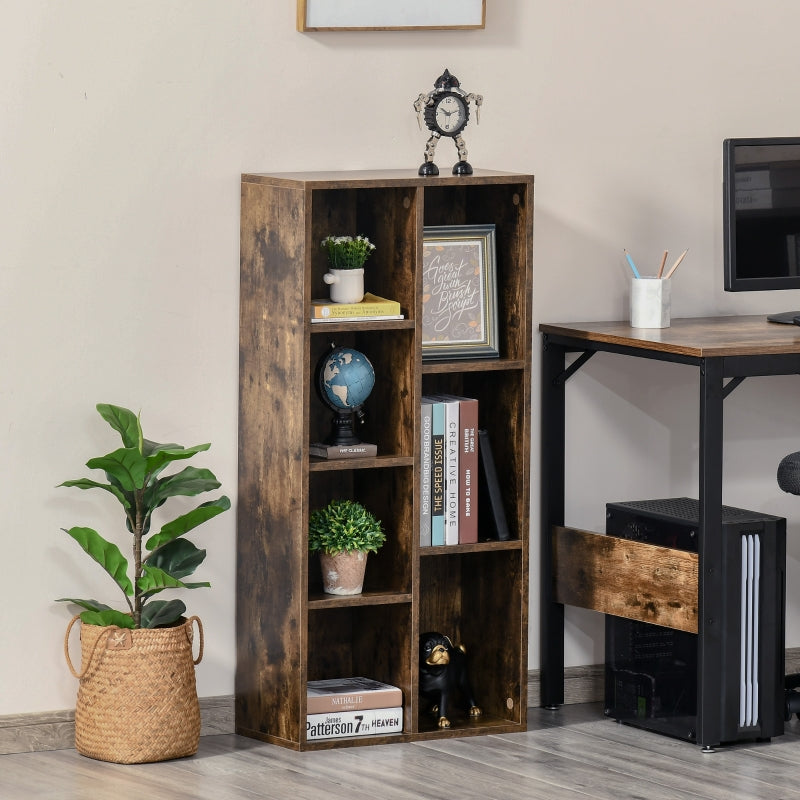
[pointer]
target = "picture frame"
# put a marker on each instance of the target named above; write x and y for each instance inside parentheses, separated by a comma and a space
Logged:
(459, 292)
(389, 15)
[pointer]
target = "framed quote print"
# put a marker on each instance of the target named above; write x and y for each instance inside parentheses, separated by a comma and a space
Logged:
(459, 292)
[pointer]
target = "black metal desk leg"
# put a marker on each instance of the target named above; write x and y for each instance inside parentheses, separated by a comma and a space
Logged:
(710, 548)
(552, 513)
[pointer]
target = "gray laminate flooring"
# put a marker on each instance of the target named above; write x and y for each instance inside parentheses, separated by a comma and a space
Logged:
(571, 753)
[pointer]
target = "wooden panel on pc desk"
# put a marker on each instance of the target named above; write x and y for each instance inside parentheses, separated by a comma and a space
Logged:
(625, 578)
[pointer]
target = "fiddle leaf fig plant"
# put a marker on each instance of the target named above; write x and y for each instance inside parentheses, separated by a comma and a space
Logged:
(162, 561)
(344, 525)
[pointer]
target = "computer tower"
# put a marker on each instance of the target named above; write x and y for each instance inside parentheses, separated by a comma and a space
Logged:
(651, 671)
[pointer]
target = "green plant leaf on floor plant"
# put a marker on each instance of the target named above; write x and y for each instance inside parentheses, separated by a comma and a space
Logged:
(125, 422)
(126, 464)
(106, 554)
(158, 613)
(178, 558)
(186, 522)
(108, 617)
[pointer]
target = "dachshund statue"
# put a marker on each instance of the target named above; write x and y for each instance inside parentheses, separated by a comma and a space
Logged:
(443, 675)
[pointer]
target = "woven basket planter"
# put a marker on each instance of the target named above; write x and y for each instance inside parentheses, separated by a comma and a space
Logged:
(137, 697)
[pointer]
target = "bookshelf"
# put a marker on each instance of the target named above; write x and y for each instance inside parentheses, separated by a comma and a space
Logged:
(288, 630)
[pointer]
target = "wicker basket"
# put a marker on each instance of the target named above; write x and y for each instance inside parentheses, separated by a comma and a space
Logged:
(137, 698)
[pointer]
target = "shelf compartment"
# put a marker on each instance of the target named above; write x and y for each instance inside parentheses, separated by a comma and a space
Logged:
(504, 411)
(390, 499)
(389, 421)
(467, 596)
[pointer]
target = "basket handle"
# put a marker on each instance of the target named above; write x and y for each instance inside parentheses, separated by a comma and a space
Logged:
(72, 669)
(189, 623)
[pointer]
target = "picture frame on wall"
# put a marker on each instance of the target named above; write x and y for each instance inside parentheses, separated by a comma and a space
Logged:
(389, 15)
(459, 292)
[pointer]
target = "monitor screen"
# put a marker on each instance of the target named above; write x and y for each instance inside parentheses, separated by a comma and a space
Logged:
(761, 179)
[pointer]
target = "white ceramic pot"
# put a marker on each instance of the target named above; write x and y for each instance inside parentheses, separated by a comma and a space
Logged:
(347, 285)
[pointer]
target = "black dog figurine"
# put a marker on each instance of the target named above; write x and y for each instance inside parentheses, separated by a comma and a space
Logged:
(443, 674)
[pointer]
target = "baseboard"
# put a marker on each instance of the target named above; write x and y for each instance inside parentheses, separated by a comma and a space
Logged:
(55, 730)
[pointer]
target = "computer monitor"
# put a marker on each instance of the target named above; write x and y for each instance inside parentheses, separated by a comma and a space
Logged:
(761, 215)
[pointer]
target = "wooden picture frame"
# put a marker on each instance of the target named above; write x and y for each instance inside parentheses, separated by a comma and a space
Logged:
(390, 15)
(459, 292)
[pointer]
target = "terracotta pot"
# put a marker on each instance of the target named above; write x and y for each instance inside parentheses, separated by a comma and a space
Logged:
(343, 573)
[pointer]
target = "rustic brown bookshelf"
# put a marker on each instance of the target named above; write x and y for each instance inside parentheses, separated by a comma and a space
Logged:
(288, 631)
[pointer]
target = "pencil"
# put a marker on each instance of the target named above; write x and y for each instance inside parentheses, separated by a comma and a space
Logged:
(632, 265)
(663, 261)
(675, 265)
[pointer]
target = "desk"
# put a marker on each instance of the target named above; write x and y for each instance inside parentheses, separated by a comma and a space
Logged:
(726, 350)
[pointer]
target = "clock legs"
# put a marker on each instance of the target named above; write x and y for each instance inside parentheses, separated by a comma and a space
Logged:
(462, 167)
(428, 168)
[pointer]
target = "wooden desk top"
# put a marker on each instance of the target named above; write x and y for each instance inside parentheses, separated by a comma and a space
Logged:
(698, 337)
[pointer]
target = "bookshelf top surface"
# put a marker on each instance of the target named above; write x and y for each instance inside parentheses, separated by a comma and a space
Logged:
(395, 177)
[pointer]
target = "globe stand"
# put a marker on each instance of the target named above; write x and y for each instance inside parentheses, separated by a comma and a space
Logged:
(342, 428)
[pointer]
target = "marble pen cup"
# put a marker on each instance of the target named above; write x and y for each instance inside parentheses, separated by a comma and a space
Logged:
(650, 302)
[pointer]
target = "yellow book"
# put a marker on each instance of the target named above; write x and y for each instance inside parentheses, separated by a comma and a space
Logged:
(370, 306)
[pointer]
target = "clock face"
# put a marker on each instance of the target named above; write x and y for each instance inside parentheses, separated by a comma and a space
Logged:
(448, 115)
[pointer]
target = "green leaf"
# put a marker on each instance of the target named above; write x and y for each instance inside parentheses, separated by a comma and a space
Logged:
(155, 580)
(106, 554)
(89, 605)
(86, 483)
(186, 522)
(108, 617)
(166, 454)
(188, 482)
(127, 465)
(159, 613)
(125, 422)
(179, 558)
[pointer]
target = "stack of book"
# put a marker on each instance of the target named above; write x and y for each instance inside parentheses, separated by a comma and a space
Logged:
(457, 468)
(370, 308)
(346, 707)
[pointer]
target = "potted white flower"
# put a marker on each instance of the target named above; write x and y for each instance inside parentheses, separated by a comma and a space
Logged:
(346, 258)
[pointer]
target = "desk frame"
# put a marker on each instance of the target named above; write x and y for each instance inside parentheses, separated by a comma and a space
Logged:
(723, 349)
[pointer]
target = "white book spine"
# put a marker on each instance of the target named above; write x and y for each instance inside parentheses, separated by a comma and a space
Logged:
(346, 724)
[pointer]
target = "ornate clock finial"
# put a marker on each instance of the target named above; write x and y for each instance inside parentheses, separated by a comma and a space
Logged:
(445, 112)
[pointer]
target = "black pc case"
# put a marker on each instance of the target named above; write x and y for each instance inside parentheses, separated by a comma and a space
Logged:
(651, 671)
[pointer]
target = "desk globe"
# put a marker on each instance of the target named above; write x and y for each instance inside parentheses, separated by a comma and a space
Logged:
(345, 379)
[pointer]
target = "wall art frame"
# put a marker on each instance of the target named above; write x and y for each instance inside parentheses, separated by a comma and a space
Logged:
(390, 15)
(459, 292)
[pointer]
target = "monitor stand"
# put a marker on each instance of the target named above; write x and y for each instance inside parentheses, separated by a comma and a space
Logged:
(786, 317)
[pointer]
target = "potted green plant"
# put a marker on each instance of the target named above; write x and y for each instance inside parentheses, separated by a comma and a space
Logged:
(344, 533)
(346, 258)
(137, 699)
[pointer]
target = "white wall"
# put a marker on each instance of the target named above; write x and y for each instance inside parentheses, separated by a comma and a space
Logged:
(123, 130)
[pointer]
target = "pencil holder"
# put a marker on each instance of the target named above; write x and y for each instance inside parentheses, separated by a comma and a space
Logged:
(650, 302)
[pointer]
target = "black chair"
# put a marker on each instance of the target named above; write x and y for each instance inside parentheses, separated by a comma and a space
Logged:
(789, 481)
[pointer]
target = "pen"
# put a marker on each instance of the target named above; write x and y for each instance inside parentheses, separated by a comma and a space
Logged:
(675, 265)
(632, 265)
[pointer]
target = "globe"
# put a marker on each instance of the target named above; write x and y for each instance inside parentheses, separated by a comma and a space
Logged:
(346, 378)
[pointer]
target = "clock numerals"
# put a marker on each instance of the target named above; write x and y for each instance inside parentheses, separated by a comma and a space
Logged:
(449, 114)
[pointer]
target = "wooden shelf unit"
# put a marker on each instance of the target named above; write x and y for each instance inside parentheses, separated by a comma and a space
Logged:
(288, 631)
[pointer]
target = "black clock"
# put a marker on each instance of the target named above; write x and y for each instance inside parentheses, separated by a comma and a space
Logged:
(445, 112)
(447, 115)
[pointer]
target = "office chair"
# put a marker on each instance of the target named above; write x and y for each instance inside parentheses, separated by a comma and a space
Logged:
(789, 481)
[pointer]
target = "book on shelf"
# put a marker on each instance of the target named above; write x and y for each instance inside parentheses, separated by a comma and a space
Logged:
(437, 473)
(350, 694)
(426, 420)
(344, 724)
(331, 451)
(451, 494)
(371, 307)
(491, 500)
(468, 471)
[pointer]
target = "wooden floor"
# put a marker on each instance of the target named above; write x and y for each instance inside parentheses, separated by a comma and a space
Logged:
(572, 753)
